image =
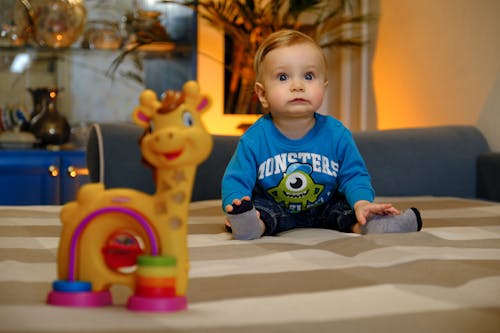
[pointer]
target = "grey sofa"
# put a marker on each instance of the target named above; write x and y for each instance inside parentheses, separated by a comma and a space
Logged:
(439, 161)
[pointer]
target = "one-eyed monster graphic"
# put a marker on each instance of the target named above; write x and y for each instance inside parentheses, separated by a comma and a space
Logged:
(296, 190)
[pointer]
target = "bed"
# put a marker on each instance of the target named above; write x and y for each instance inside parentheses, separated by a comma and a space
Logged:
(445, 278)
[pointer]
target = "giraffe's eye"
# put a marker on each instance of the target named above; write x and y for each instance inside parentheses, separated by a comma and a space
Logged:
(187, 118)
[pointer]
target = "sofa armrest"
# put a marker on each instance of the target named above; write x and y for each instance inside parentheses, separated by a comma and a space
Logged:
(488, 176)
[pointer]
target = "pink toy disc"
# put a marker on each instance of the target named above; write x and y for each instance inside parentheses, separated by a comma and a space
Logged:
(80, 299)
(157, 304)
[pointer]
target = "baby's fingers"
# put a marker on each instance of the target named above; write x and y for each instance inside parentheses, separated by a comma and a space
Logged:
(392, 211)
(229, 208)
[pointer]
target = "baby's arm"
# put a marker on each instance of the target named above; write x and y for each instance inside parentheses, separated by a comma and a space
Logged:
(244, 219)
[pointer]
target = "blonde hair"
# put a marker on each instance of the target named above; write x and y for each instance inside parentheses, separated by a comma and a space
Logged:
(282, 38)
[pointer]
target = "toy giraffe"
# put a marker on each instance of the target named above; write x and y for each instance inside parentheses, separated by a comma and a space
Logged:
(123, 236)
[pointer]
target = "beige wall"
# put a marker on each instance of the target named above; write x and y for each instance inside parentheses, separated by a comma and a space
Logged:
(437, 62)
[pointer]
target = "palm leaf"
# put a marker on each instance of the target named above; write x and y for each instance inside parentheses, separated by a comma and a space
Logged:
(248, 21)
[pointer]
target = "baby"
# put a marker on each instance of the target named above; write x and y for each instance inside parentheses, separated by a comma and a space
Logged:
(295, 168)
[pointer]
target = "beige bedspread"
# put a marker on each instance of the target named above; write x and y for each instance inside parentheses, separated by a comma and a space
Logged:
(443, 279)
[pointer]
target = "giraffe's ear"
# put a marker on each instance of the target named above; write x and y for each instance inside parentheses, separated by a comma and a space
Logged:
(141, 117)
(203, 104)
(143, 113)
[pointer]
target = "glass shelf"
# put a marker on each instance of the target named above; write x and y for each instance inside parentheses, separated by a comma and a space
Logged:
(90, 90)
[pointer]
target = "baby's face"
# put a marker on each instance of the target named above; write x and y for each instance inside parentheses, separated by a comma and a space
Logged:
(292, 81)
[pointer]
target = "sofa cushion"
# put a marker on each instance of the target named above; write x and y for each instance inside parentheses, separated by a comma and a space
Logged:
(114, 158)
(438, 161)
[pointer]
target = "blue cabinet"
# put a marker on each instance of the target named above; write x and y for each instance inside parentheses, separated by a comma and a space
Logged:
(40, 177)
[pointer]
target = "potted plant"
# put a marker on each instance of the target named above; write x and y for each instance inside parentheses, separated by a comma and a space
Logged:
(248, 22)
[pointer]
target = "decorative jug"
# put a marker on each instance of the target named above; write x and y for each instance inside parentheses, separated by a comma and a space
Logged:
(47, 124)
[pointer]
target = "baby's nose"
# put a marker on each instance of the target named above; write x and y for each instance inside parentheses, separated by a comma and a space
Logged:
(297, 85)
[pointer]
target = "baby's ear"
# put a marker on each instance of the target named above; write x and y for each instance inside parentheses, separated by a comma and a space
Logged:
(260, 91)
(325, 84)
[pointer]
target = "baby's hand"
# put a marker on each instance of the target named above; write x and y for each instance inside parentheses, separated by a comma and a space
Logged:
(244, 220)
(230, 208)
(365, 209)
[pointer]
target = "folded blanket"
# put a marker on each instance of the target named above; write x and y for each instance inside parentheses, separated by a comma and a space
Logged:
(445, 278)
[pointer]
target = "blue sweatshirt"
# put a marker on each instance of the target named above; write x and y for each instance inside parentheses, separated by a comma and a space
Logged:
(298, 174)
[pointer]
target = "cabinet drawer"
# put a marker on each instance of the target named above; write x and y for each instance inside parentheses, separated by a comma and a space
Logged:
(74, 173)
(38, 177)
(29, 178)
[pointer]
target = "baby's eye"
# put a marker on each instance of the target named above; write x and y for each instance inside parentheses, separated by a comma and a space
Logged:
(309, 76)
(282, 77)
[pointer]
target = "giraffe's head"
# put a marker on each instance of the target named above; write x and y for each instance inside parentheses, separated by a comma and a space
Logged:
(175, 135)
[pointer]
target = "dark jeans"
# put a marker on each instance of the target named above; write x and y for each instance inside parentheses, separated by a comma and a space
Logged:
(335, 214)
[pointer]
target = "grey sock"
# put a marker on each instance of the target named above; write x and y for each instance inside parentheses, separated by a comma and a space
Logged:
(408, 221)
(246, 225)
